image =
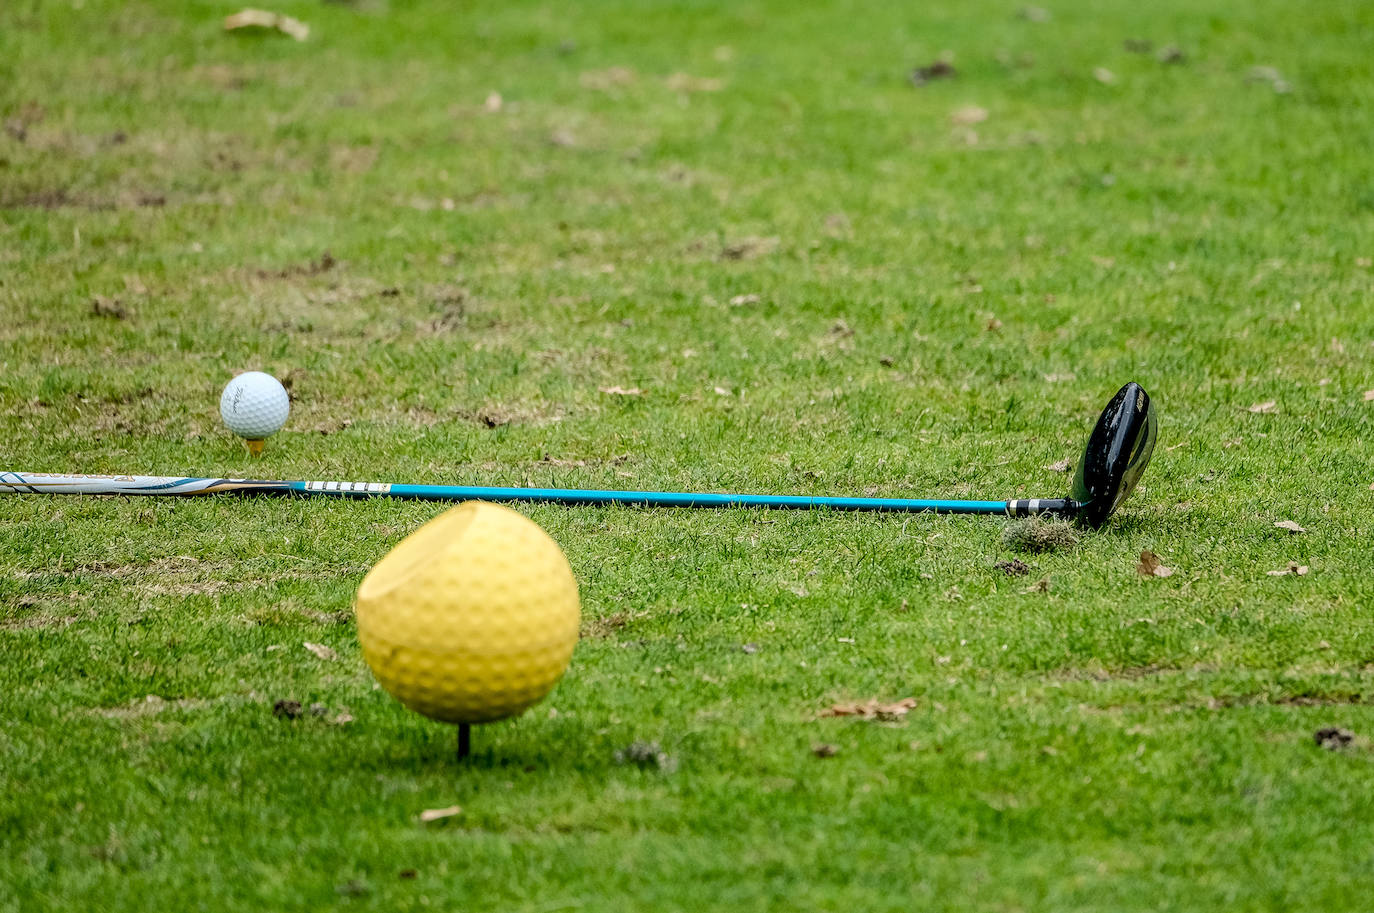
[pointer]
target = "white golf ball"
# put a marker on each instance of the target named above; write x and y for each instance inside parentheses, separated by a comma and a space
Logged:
(254, 405)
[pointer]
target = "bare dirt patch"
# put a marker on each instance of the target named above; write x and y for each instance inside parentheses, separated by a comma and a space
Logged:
(751, 248)
(182, 575)
(608, 625)
(322, 264)
(1128, 673)
(43, 615)
(498, 415)
(151, 705)
(51, 198)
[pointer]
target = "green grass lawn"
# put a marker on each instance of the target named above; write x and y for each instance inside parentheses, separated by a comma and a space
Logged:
(823, 279)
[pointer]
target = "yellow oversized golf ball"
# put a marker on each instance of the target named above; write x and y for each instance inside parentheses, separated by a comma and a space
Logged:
(471, 618)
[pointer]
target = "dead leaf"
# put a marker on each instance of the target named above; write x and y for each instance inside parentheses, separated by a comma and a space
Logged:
(824, 750)
(749, 248)
(1060, 378)
(1294, 569)
(844, 640)
(647, 755)
(1290, 526)
(622, 391)
(109, 307)
(742, 300)
(722, 391)
(563, 138)
(605, 80)
(1271, 76)
(1034, 14)
(1040, 586)
(1104, 76)
(968, 115)
(682, 82)
(1150, 566)
(1264, 408)
(321, 651)
(1061, 466)
(1171, 53)
(262, 19)
(324, 264)
(493, 103)
(341, 719)
(940, 69)
(287, 710)
(1369, 396)
(438, 814)
(331, 427)
(994, 324)
(872, 709)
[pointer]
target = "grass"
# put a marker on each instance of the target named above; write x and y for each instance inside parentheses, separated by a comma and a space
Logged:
(821, 284)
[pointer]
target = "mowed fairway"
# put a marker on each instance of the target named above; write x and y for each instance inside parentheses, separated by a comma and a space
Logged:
(452, 228)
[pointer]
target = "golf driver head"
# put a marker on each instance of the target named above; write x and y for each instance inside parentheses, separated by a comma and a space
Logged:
(1116, 455)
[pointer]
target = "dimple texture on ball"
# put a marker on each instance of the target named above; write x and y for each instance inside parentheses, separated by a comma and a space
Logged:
(254, 405)
(471, 618)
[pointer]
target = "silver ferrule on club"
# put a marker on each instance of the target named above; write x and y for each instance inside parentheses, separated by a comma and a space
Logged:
(1032, 507)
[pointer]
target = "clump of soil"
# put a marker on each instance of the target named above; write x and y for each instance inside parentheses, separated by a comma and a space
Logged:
(1038, 534)
(1013, 568)
(1333, 738)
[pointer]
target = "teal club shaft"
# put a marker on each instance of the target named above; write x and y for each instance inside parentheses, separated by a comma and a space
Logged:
(46, 483)
(690, 499)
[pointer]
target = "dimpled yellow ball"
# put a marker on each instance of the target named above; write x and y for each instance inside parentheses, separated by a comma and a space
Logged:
(471, 618)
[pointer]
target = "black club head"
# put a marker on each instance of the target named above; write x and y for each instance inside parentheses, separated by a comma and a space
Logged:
(1116, 455)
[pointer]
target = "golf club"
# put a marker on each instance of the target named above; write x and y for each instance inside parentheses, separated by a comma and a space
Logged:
(1118, 451)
